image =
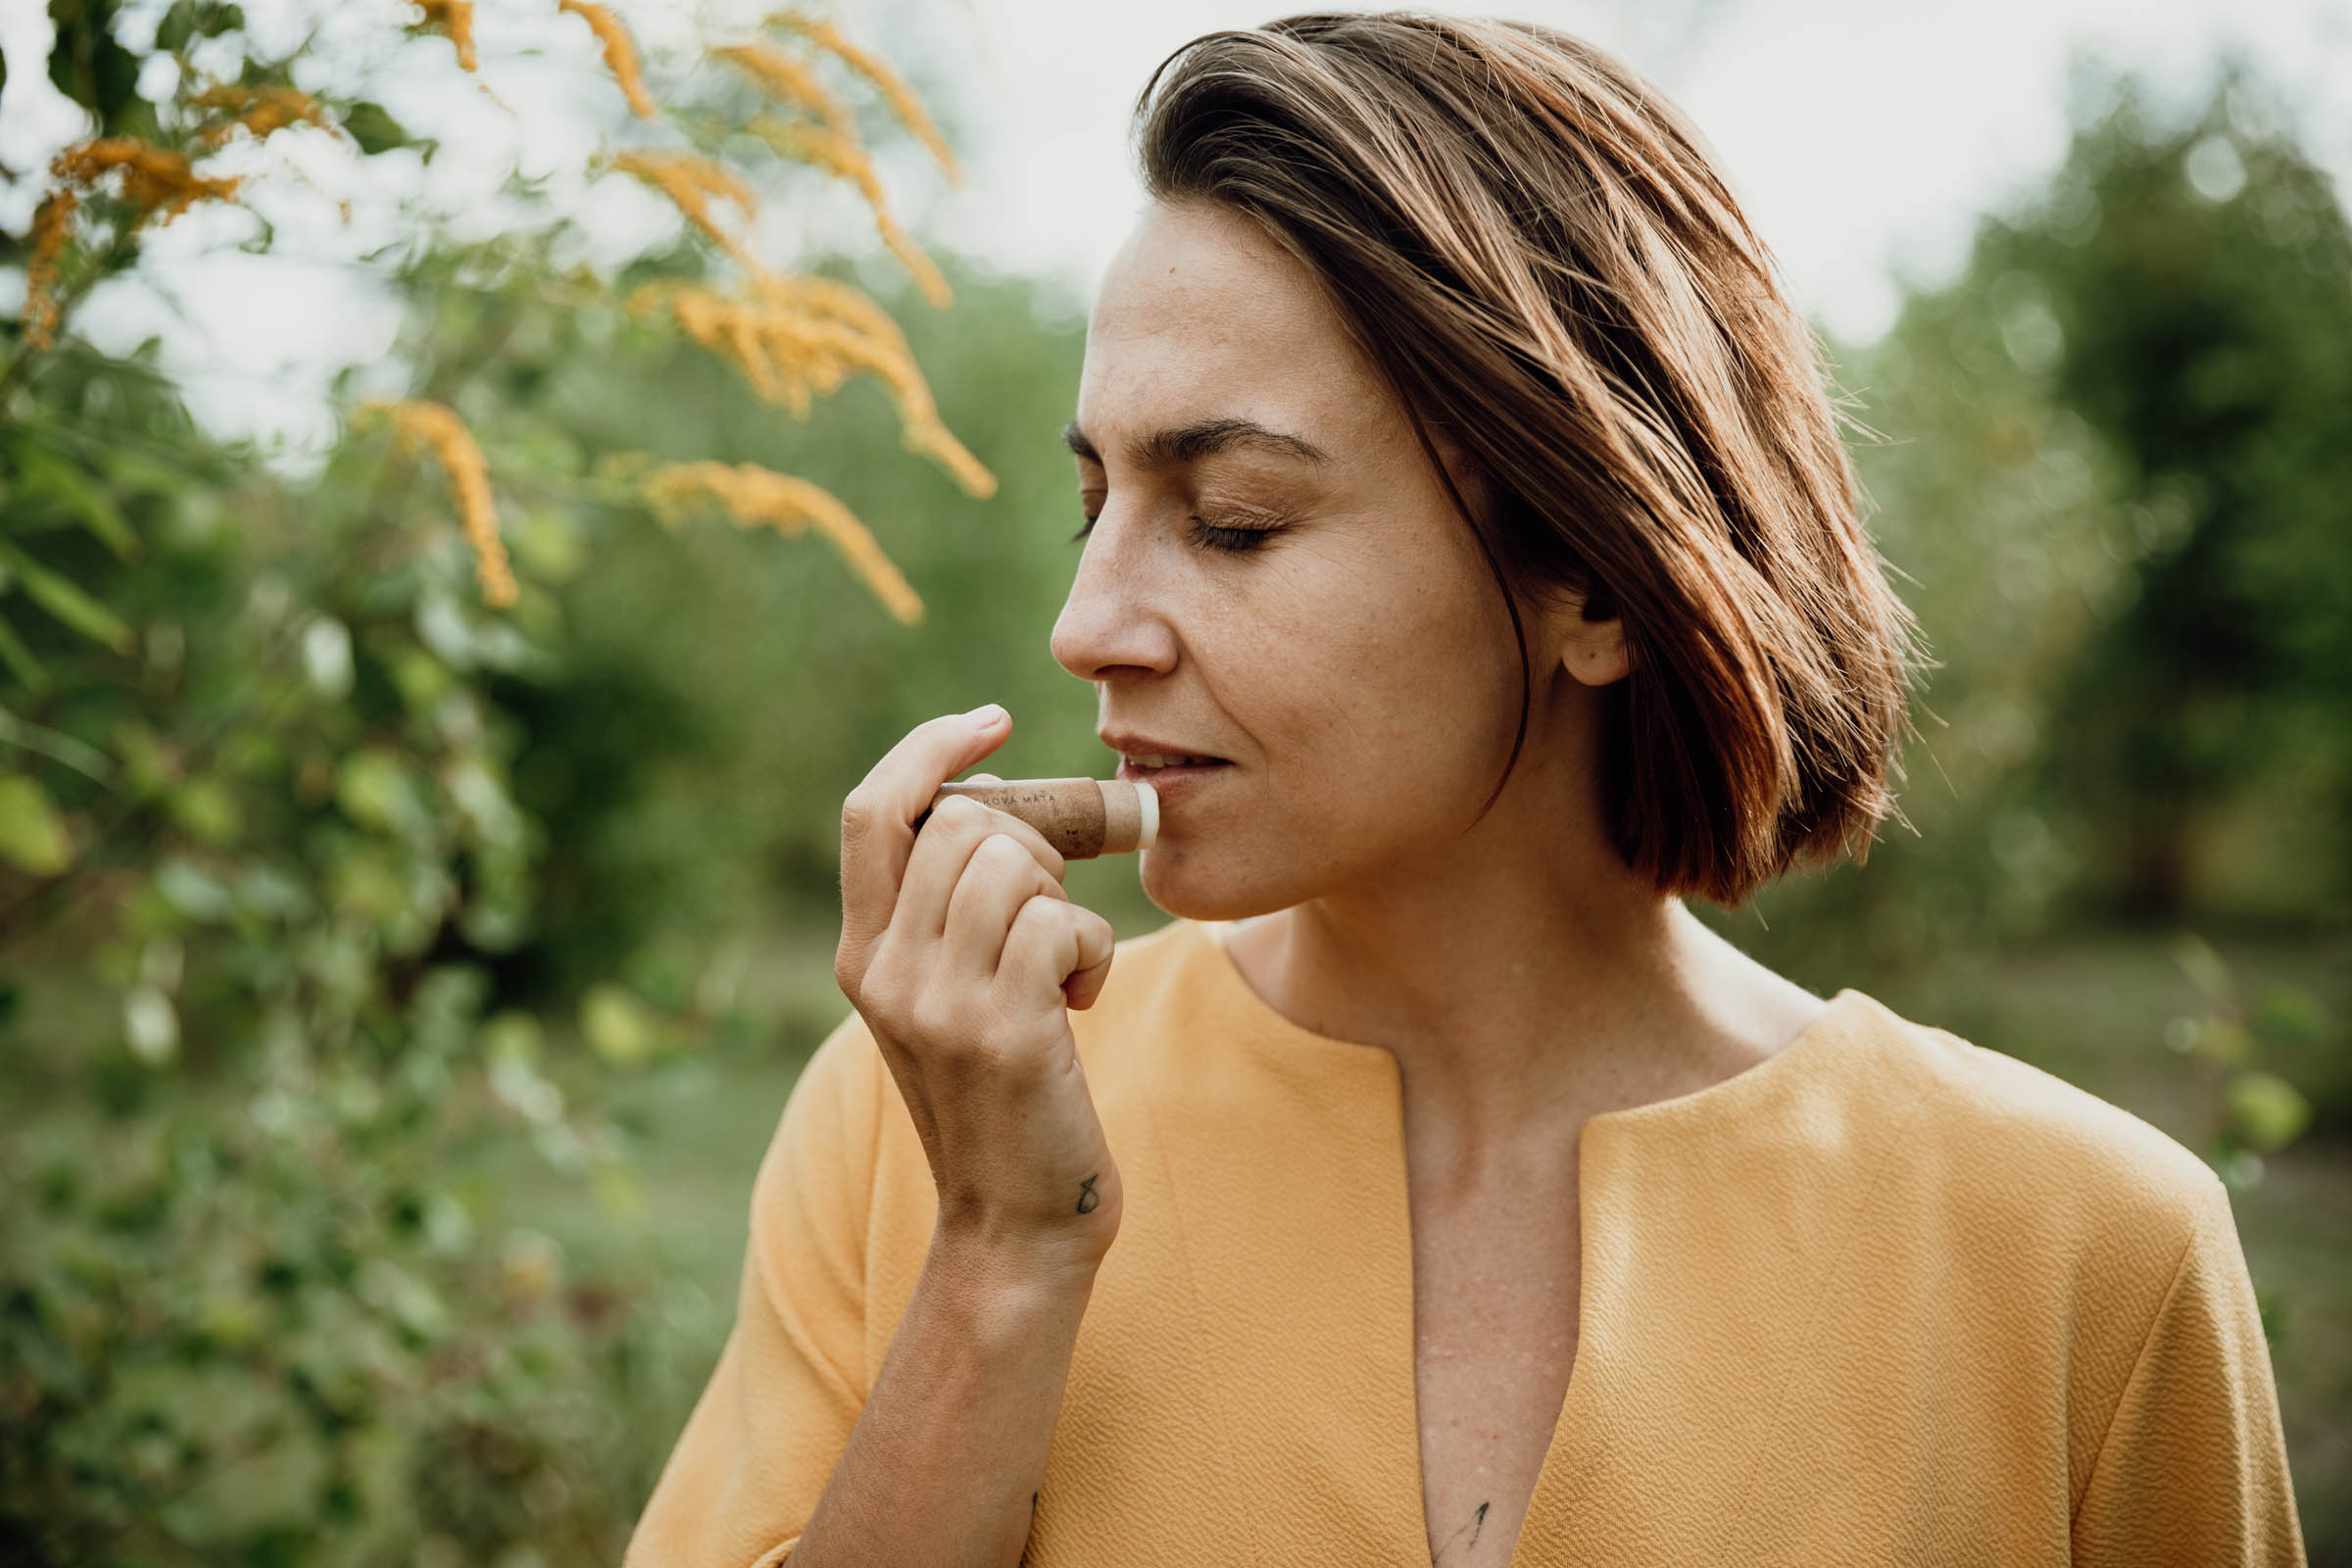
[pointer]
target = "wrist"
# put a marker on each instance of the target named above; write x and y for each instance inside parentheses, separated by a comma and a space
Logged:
(1011, 1282)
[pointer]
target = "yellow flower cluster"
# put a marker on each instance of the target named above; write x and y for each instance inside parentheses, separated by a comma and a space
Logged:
(52, 221)
(159, 182)
(831, 143)
(456, 16)
(621, 51)
(841, 156)
(797, 336)
(690, 181)
(788, 81)
(156, 183)
(753, 496)
(435, 426)
(826, 36)
(260, 110)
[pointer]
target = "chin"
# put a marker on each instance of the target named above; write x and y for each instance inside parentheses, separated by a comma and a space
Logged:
(1192, 886)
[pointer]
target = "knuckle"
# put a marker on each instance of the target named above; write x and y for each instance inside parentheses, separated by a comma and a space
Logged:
(1033, 844)
(1039, 913)
(886, 1018)
(858, 813)
(960, 811)
(1001, 852)
(881, 996)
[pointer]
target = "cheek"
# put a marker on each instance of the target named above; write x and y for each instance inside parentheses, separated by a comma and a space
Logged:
(1377, 693)
(1378, 708)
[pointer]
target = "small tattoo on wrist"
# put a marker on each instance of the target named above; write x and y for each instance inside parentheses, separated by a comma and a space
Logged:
(1088, 1198)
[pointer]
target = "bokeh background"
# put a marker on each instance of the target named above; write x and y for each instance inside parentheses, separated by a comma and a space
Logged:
(478, 484)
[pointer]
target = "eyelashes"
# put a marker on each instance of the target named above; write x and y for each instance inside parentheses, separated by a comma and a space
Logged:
(1206, 536)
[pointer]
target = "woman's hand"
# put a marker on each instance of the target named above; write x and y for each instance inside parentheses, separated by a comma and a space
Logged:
(961, 952)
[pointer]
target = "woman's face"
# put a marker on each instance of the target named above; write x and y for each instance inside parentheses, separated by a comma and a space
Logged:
(1275, 576)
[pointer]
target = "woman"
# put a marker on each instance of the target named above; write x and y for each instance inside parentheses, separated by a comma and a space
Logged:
(1472, 564)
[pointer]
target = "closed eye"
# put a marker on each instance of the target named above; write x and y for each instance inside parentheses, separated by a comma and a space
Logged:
(1208, 535)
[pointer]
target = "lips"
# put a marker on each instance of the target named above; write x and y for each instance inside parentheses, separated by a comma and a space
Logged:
(1155, 751)
(1174, 781)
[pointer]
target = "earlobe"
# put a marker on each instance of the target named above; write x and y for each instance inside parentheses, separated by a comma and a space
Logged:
(1594, 653)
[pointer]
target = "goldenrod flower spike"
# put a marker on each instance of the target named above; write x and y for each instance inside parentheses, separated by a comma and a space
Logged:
(791, 82)
(839, 156)
(822, 34)
(260, 110)
(156, 183)
(753, 495)
(621, 52)
(690, 181)
(51, 223)
(457, 17)
(879, 346)
(438, 427)
(797, 336)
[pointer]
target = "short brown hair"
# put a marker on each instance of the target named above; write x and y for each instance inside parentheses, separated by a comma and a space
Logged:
(1535, 247)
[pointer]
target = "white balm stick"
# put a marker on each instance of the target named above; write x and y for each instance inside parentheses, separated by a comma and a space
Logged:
(1082, 817)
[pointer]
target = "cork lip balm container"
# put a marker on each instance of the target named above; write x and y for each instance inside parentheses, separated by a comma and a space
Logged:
(1081, 817)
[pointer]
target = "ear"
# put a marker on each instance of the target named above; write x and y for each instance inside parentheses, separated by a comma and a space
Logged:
(1592, 650)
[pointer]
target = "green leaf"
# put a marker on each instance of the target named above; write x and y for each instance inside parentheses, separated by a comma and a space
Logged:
(375, 791)
(19, 660)
(205, 807)
(2206, 969)
(2225, 1040)
(67, 602)
(620, 1028)
(372, 126)
(32, 833)
(192, 890)
(2291, 1015)
(80, 495)
(2266, 1110)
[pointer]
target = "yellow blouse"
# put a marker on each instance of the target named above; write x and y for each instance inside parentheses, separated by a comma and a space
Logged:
(1885, 1298)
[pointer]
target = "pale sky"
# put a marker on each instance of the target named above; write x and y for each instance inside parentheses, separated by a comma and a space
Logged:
(1865, 138)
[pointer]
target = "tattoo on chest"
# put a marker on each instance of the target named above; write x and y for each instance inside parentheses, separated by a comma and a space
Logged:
(1476, 1523)
(1088, 1198)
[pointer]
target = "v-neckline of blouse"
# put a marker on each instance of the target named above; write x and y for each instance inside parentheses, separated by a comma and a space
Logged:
(1568, 1457)
(1725, 1095)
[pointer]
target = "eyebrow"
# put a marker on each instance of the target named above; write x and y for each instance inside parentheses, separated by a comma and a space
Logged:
(1189, 443)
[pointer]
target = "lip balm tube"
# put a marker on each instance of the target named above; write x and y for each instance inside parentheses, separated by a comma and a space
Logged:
(1082, 817)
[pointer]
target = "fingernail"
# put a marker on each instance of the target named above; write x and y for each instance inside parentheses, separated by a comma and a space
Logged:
(983, 716)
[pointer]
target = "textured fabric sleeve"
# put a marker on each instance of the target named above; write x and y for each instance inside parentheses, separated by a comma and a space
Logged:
(764, 1439)
(2193, 1466)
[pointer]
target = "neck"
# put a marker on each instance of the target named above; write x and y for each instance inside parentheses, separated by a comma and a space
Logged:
(1522, 974)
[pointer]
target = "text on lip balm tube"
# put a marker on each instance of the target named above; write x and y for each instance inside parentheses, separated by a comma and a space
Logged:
(1081, 817)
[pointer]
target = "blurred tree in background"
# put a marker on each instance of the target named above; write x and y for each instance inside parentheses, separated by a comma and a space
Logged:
(2117, 451)
(270, 888)
(2187, 291)
(400, 985)
(2109, 461)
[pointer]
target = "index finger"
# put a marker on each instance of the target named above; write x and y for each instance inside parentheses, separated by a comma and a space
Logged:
(877, 819)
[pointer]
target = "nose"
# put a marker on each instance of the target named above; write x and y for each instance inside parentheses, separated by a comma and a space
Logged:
(1116, 620)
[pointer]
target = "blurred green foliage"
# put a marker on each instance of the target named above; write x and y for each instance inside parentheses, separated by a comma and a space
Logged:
(325, 889)
(396, 991)
(2108, 465)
